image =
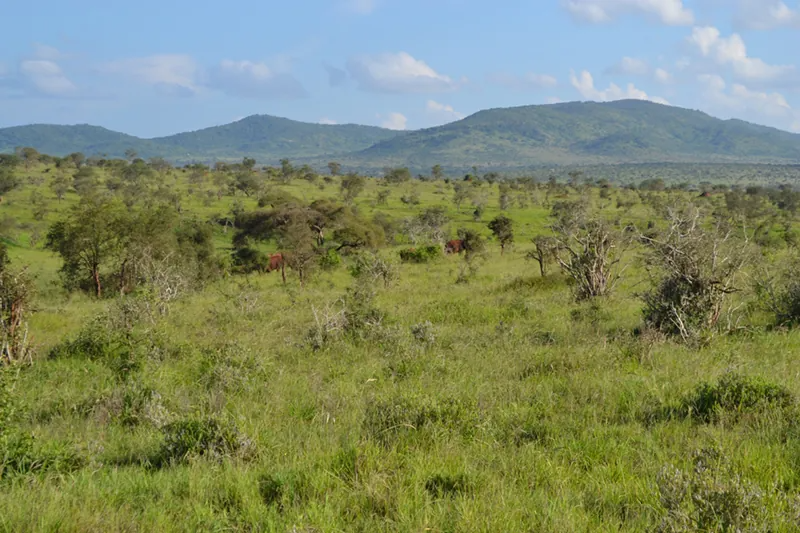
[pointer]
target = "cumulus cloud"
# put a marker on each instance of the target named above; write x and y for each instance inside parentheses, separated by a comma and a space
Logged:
(584, 84)
(732, 52)
(393, 121)
(530, 81)
(630, 66)
(170, 73)
(254, 80)
(442, 113)
(397, 73)
(767, 14)
(762, 107)
(670, 12)
(662, 76)
(46, 78)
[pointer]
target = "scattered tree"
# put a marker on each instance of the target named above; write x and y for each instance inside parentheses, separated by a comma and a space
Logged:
(503, 229)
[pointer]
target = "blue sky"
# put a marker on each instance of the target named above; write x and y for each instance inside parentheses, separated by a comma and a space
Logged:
(153, 68)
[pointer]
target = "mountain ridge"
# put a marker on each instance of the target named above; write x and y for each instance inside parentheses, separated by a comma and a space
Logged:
(583, 133)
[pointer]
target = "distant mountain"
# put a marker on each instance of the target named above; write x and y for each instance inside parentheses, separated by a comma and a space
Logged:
(625, 131)
(587, 133)
(266, 138)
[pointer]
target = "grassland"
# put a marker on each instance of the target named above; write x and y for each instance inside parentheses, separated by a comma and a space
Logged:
(495, 405)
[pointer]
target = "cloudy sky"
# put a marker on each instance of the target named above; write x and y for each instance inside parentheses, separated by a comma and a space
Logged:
(153, 68)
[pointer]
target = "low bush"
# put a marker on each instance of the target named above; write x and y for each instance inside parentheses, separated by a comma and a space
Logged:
(206, 438)
(423, 254)
(734, 395)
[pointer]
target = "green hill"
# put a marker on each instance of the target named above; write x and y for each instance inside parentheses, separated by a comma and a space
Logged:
(589, 133)
(627, 131)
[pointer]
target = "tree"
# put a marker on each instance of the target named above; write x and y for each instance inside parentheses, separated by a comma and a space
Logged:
(248, 163)
(505, 196)
(474, 248)
(88, 240)
(460, 194)
(351, 187)
(397, 175)
(85, 181)
(77, 159)
(503, 229)
(248, 183)
(588, 250)
(29, 156)
(287, 170)
(8, 180)
(334, 168)
(131, 154)
(544, 252)
(437, 173)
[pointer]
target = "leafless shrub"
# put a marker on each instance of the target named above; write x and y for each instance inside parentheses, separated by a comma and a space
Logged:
(696, 269)
(589, 251)
(16, 291)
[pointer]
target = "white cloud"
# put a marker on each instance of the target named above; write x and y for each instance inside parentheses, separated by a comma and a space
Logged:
(526, 82)
(397, 73)
(767, 14)
(762, 107)
(584, 84)
(393, 121)
(662, 76)
(254, 80)
(46, 77)
(362, 7)
(630, 66)
(732, 52)
(327, 121)
(670, 12)
(442, 113)
(43, 51)
(554, 100)
(172, 73)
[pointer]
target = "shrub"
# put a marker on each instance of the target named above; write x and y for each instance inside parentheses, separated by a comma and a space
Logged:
(19, 455)
(712, 497)
(16, 291)
(330, 260)
(698, 271)
(424, 333)
(423, 254)
(734, 394)
(206, 438)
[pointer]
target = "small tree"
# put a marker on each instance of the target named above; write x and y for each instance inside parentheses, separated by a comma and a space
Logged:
(544, 252)
(437, 173)
(335, 168)
(8, 180)
(505, 196)
(352, 185)
(460, 195)
(474, 250)
(503, 229)
(88, 240)
(588, 250)
(382, 197)
(60, 185)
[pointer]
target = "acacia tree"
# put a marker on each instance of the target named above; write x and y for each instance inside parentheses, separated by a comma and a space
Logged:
(335, 168)
(460, 194)
(352, 185)
(544, 252)
(88, 240)
(503, 229)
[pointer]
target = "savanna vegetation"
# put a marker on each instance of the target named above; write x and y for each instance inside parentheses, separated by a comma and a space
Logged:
(592, 356)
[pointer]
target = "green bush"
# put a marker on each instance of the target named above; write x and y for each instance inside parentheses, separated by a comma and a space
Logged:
(388, 420)
(734, 394)
(198, 438)
(19, 455)
(330, 260)
(424, 254)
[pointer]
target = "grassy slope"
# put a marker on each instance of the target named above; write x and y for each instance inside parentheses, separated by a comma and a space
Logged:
(557, 443)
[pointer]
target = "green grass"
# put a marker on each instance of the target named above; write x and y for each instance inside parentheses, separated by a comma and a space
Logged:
(525, 412)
